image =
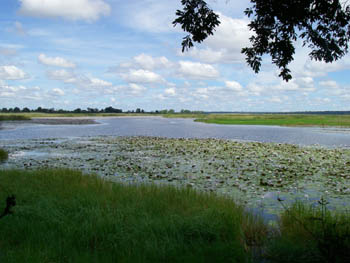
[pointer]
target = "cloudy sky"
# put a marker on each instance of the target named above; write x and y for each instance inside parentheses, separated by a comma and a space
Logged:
(126, 54)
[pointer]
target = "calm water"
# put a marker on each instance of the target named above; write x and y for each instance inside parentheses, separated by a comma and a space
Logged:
(180, 128)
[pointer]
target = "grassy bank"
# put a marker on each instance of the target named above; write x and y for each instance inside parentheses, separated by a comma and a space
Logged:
(278, 119)
(13, 117)
(235, 119)
(76, 115)
(64, 216)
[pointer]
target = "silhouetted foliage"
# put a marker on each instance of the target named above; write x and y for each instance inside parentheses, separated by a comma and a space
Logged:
(198, 20)
(323, 26)
(10, 203)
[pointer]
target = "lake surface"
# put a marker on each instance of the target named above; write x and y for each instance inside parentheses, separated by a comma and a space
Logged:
(179, 128)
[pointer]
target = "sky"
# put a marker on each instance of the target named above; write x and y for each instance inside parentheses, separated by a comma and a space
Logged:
(68, 54)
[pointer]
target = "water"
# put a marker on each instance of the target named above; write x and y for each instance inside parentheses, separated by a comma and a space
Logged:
(180, 128)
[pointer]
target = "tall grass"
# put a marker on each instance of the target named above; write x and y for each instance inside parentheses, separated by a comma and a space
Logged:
(277, 119)
(311, 234)
(13, 117)
(3, 155)
(64, 216)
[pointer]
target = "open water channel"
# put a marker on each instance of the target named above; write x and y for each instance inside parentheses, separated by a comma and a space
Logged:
(180, 128)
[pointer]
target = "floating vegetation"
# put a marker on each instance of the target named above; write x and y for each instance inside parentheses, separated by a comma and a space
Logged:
(254, 173)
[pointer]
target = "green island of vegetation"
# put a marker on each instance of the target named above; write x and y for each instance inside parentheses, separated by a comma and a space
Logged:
(319, 120)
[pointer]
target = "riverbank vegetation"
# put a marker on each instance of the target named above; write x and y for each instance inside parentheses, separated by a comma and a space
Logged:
(14, 117)
(307, 120)
(65, 216)
(278, 119)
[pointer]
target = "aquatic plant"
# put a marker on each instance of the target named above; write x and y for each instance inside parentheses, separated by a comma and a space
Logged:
(248, 171)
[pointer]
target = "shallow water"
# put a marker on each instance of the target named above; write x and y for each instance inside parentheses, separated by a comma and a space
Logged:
(181, 128)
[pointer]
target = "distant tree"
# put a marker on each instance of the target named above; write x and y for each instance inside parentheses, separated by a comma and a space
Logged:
(4, 110)
(171, 111)
(323, 26)
(25, 109)
(112, 110)
(77, 110)
(16, 109)
(138, 110)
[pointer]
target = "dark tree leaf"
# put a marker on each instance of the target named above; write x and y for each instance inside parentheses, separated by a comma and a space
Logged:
(198, 20)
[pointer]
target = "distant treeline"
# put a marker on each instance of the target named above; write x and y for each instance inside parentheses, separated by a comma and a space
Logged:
(109, 109)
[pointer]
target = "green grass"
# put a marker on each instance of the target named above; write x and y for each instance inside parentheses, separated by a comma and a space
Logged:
(13, 117)
(278, 119)
(64, 216)
(3, 155)
(311, 234)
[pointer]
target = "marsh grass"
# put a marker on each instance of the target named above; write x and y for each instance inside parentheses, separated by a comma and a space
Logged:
(278, 119)
(311, 234)
(64, 216)
(3, 155)
(13, 117)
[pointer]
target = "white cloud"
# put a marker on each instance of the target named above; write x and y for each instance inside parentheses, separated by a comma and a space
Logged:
(148, 62)
(234, 86)
(95, 82)
(329, 84)
(12, 73)
(144, 61)
(55, 61)
(148, 15)
(196, 70)
(275, 99)
(58, 92)
(63, 75)
(142, 76)
(88, 10)
(136, 89)
(225, 45)
(170, 91)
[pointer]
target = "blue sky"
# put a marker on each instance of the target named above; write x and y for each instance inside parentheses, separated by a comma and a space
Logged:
(126, 54)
